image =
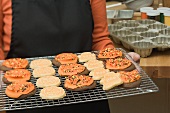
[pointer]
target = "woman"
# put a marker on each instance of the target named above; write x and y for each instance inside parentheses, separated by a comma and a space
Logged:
(30, 28)
(41, 27)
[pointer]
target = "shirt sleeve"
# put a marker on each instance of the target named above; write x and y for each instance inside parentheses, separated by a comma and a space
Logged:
(1, 31)
(100, 32)
(5, 27)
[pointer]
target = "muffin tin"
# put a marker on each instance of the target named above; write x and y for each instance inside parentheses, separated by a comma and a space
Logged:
(141, 36)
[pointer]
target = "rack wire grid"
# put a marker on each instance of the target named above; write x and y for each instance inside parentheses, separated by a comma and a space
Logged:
(72, 97)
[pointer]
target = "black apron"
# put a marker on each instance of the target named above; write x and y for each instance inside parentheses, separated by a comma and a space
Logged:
(49, 27)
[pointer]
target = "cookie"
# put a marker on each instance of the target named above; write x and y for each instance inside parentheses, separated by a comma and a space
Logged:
(14, 63)
(65, 58)
(20, 90)
(47, 81)
(37, 63)
(72, 69)
(98, 74)
(79, 83)
(111, 80)
(86, 56)
(43, 71)
(16, 75)
(94, 64)
(52, 93)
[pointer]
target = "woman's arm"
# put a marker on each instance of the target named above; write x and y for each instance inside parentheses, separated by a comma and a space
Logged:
(1, 40)
(100, 32)
(5, 27)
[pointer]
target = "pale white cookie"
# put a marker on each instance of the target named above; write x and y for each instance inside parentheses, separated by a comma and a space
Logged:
(40, 63)
(111, 80)
(47, 81)
(52, 92)
(86, 56)
(98, 74)
(43, 71)
(94, 64)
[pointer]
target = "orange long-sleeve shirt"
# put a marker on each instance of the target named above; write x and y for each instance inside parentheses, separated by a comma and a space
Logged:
(100, 32)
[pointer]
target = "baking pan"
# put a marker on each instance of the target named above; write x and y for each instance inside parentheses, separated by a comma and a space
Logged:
(152, 31)
(116, 15)
(165, 31)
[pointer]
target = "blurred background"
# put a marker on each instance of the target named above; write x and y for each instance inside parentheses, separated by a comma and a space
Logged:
(137, 4)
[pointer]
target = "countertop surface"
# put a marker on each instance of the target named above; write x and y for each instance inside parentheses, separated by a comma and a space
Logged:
(158, 102)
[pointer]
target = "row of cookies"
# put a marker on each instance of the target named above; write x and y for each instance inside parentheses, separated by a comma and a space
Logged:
(18, 83)
(17, 76)
(43, 70)
(75, 73)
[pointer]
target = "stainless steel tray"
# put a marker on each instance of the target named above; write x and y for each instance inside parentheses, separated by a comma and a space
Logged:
(120, 14)
(155, 35)
(147, 86)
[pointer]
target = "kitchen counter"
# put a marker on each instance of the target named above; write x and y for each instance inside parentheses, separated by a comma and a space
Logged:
(158, 102)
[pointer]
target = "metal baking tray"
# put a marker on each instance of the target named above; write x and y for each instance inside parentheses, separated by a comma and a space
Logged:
(120, 14)
(6, 103)
(147, 29)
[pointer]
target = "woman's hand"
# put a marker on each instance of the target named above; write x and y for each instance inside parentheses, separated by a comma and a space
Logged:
(135, 56)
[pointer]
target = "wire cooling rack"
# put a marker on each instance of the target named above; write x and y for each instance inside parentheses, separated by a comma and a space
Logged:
(6, 103)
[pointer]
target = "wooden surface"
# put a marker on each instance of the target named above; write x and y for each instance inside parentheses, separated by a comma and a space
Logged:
(166, 3)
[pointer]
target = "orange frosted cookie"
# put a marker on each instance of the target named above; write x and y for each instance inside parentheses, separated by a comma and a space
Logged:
(16, 75)
(65, 58)
(109, 53)
(119, 64)
(130, 79)
(20, 90)
(14, 63)
(79, 83)
(72, 69)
